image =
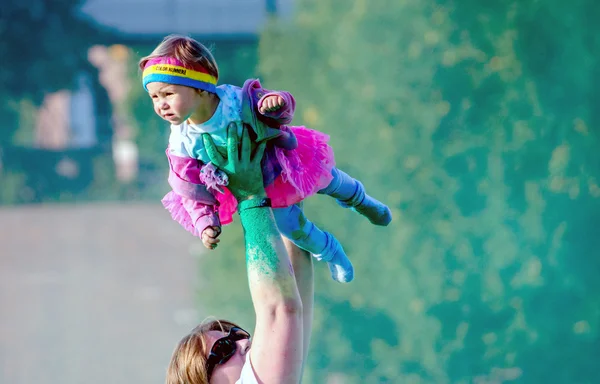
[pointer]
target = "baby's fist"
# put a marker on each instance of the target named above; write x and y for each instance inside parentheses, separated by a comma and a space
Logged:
(271, 103)
(210, 237)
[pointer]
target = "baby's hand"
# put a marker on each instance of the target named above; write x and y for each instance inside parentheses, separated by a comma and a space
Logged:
(271, 103)
(210, 237)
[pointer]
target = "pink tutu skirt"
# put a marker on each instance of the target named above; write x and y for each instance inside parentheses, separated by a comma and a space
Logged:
(304, 171)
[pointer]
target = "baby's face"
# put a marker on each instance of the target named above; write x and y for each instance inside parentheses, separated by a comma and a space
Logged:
(173, 103)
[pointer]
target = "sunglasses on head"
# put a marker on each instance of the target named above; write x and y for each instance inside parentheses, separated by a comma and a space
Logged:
(224, 348)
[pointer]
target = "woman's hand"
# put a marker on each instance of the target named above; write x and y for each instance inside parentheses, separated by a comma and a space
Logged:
(243, 169)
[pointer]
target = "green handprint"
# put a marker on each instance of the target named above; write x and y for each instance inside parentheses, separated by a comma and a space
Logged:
(241, 166)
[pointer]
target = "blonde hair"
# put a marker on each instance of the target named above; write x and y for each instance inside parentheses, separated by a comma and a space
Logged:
(187, 50)
(188, 362)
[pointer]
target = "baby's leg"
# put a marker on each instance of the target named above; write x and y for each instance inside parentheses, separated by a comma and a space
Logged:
(295, 226)
(350, 193)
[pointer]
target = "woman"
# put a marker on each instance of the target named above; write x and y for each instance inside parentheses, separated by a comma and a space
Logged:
(281, 287)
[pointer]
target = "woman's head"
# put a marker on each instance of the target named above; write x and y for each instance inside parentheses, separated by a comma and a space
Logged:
(217, 348)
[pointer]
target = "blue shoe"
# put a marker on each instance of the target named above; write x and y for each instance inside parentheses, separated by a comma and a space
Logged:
(340, 266)
(373, 209)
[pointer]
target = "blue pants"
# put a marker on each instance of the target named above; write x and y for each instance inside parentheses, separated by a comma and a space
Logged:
(295, 226)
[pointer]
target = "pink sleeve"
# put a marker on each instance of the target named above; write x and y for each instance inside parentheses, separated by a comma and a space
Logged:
(283, 115)
(202, 215)
(184, 178)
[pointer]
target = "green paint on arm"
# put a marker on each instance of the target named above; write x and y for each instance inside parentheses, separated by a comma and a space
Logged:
(266, 256)
(260, 235)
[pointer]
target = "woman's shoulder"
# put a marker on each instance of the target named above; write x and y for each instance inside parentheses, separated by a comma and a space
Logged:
(247, 376)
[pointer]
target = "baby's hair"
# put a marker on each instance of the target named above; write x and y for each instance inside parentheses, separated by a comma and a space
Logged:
(187, 50)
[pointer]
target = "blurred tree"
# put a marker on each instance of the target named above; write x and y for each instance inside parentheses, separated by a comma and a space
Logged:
(43, 45)
(476, 122)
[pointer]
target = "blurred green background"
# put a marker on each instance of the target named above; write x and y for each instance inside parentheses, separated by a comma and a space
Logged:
(476, 121)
